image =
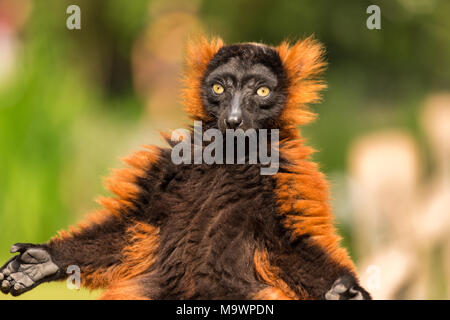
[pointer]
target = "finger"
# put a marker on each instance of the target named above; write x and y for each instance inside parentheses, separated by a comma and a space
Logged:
(357, 294)
(22, 279)
(340, 288)
(20, 283)
(21, 247)
(6, 272)
(330, 295)
(5, 286)
(18, 289)
(12, 267)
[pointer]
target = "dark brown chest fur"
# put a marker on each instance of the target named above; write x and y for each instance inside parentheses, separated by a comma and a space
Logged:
(217, 216)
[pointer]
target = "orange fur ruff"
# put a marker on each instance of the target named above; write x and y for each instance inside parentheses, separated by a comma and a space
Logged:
(302, 192)
(198, 54)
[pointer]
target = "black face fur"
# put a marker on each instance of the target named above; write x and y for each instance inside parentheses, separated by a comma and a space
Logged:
(241, 70)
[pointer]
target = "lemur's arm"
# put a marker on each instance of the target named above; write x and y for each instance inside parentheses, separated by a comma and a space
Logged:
(306, 271)
(104, 246)
(93, 249)
(305, 260)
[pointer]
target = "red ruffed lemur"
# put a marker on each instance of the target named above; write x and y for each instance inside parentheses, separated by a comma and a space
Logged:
(219, 231)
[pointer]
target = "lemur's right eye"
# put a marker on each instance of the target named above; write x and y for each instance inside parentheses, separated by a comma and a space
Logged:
(217, 88)
(263, 92)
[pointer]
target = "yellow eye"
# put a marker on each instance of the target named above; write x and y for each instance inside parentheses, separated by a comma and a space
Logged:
(217, 88)
(263, 92)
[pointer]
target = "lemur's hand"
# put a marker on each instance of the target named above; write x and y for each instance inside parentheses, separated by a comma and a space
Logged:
(26, 270)
(345, 288)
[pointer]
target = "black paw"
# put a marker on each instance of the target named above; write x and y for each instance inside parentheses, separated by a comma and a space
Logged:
(28, 269)
(345, 288)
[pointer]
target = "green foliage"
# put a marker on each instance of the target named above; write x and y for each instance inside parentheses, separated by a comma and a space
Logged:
(47, 112)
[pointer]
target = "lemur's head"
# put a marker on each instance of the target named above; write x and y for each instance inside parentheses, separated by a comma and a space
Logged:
(252, 85)
(244, 87)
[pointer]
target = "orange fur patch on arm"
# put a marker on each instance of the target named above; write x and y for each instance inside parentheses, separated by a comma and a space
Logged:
(271, 293)
(138, 256)
(124, 290)
(140, 253)
(269, 275)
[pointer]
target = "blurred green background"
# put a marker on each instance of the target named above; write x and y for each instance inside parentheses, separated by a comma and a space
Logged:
(73, 101)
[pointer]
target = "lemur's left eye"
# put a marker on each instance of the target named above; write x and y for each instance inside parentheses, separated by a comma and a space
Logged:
(217, 88)
(263, 91)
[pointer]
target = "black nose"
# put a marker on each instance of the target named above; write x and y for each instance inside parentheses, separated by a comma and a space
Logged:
(234, 121)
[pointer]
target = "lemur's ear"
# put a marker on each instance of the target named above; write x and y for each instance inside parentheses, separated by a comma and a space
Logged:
(200, 51)
(304, 63)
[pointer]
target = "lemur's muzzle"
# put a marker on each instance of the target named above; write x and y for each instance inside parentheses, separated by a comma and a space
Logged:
(234, 119)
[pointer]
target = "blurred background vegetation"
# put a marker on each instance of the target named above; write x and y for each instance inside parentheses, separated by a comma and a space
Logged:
(73, 101)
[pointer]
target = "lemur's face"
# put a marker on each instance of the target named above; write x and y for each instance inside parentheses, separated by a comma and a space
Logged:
(244, 87)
